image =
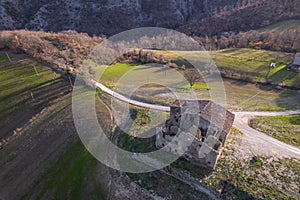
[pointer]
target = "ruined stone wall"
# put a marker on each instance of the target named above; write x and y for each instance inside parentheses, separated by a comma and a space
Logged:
(206, 153)
(206, 139)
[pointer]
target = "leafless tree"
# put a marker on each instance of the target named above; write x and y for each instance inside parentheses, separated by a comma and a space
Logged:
(291, 38)
(192, 75)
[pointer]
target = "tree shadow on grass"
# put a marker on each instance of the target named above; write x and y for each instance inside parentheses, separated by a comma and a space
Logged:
(239, 82)
(289, 99)
(283, 75)
(26, 106)
(284, 98)
(230, 50)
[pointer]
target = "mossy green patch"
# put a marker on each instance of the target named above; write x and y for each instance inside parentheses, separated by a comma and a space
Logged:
(196, 86)
(113, 73)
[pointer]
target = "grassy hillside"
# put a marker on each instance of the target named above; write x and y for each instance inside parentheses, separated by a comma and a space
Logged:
(281, 26)
(250, 64)
(240, 64)
(26, 88)
(243, 96)
(50, 153)
(283, 128)
(113, 73)
(69, 175)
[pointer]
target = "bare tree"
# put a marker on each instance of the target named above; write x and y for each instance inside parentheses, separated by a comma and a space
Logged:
(192, 75)
(291, 38)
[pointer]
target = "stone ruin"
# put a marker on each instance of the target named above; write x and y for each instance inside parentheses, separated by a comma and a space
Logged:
(206, 123)
(295, 66)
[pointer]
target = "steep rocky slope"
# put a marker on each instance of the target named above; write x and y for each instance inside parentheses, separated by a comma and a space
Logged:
(246, 17)
(112, 16)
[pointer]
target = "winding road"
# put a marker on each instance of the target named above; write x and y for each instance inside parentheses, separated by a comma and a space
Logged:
(254, 142)
(262, 143)
(130, 101)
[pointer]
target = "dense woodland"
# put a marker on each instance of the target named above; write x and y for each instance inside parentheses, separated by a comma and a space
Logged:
(63, 49)
(286, 41)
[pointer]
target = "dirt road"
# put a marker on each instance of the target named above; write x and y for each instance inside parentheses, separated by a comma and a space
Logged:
(256, 142)
(253, 142)
(130, 101)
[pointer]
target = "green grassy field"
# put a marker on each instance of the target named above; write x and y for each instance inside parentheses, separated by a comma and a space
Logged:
(21, 79)
(243, 96)
(26, 88)
(73, 174)
(254, 65)
(281, 26)
(113, 73)
(196, 86)
(247, 64)
(283, 128)
(240, 95)
(68, 176)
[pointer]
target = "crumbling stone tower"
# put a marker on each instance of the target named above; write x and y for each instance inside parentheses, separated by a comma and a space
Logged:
(207, 123)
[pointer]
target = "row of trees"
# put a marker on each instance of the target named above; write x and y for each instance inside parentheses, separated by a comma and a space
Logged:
(70, 48)
(64, 49)
(287, 41)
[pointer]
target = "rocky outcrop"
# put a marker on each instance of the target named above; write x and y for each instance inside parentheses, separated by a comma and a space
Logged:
(113, 16)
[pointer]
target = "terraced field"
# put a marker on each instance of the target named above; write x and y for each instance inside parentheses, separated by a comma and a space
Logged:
(48, 150)
(36, 125)
(27, 87)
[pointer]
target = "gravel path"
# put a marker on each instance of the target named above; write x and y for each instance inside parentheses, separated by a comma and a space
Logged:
(256, 142)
